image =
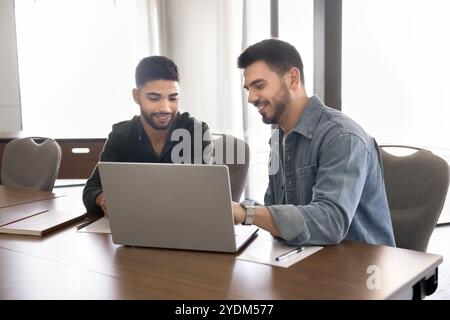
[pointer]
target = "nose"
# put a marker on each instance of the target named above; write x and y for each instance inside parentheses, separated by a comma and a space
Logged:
(252, 97)
(165, 105)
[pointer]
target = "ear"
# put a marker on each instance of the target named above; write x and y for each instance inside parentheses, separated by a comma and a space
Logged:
(294, 78)
(136, 96)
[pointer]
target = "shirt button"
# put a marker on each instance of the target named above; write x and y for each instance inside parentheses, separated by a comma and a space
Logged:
(289, 158)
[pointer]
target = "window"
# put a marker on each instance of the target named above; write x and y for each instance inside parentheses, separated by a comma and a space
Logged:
(76, 64)
(396, 71)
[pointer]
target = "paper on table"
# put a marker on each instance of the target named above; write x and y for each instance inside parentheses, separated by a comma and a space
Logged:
(59, 183)
(265, 248)
(99, 226)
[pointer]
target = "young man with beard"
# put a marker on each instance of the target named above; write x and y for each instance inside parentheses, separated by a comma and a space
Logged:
(160, 134)
(325, 173)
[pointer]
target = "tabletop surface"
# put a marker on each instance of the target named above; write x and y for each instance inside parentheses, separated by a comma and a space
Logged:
(71, 264)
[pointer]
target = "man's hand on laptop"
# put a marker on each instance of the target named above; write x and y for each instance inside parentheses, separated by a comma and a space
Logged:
(239, 213)
(101, 202)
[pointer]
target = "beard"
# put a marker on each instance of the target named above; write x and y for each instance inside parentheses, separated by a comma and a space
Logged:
(153, 119)
(279, 106)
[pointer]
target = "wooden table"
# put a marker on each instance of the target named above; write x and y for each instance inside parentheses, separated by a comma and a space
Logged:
(73, 265)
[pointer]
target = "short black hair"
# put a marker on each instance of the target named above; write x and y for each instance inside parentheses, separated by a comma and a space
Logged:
(279, 55)
(156, 68)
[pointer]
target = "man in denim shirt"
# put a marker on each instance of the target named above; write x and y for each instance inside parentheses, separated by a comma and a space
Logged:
(325, 173)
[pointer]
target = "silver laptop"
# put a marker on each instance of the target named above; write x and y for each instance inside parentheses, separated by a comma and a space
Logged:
(177, 206)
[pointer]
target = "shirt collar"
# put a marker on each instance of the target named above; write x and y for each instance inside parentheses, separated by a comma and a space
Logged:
(309, 119)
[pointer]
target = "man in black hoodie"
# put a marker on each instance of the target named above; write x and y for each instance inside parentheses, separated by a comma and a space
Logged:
(160, 134)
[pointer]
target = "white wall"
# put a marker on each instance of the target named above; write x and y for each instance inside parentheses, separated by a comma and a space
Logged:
(10, 115)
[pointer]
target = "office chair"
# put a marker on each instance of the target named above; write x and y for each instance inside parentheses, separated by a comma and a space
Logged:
(31, 162)
(234, 153)
(416, 187)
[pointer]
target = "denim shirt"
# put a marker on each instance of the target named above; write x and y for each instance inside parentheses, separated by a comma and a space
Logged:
(327, 184)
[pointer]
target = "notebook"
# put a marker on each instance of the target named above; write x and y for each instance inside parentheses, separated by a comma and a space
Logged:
(176, 206)
(42, 223)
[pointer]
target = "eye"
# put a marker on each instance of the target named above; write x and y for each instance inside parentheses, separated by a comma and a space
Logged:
(173, 99)
(153, 99)
(260, 86)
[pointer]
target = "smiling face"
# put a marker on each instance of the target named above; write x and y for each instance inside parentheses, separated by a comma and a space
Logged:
(267, 91)
(159, 102)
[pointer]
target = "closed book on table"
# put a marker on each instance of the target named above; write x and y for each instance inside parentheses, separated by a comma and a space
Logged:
(42, 223)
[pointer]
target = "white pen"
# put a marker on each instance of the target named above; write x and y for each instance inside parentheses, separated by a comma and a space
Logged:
(289, 253)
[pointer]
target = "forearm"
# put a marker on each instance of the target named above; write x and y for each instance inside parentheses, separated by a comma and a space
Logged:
(93, 188)
(261, 218)
(91, 191)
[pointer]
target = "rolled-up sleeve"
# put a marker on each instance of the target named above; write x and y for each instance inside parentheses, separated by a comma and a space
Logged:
(341, 175)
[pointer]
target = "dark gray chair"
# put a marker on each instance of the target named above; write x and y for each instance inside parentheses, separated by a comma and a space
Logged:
(416, 187)
(31, 163)
(234, 153)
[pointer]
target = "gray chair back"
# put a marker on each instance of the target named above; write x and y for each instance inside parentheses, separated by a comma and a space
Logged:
(31, 163)
(234, 153)
(416, 187)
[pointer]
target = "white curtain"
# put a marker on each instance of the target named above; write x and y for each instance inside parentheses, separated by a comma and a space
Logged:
(256, 27)
(150, 23)
(203, 37)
